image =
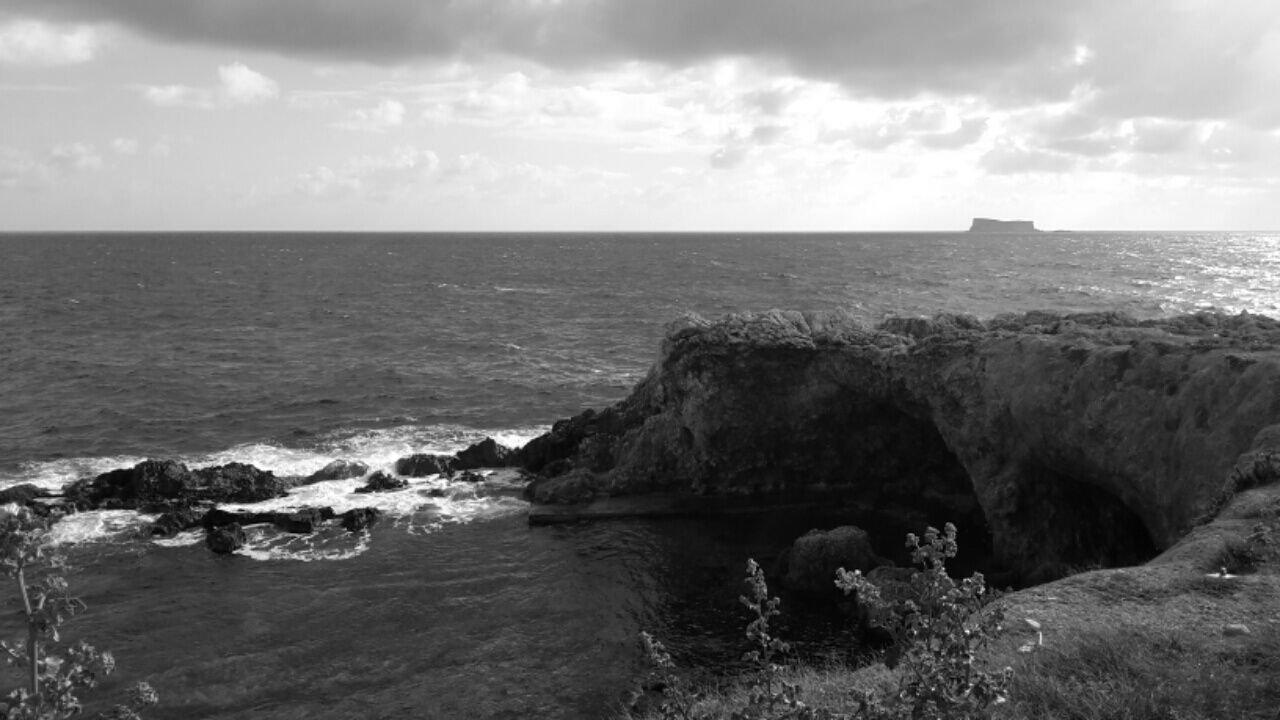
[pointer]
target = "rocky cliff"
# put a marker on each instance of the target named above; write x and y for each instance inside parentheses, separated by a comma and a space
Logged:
(990, 225)
(1074, 440)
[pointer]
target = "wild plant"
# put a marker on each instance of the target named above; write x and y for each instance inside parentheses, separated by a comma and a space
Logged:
(938, 633)
(52, 673)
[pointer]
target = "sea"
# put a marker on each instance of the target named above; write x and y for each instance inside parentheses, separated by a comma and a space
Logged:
(290, 350)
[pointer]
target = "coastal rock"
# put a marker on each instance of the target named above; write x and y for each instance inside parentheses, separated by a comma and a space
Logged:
(306, 520)
(487, 453)
(382, 482)
(164, 481)
(814, 558)
(175, 521)
(337, 470)
(359, 519)
(1067, 440)
(422, 465)
(226, 539)
(22, 494)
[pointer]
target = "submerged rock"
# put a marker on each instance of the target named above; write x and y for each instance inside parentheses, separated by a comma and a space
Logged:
(337, 470)
(306, 520)
(175, 521)
(1068, 440)
(226, 539)
(382, 482)
(359, 519)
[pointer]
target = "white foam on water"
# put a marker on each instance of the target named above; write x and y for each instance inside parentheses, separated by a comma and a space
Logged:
(182, 539)
(54, 474)
(423, 507)
(265, 543)
(97, 525)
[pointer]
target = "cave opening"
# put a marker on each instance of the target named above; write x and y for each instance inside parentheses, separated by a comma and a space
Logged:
(902, 477)
(1058, 525)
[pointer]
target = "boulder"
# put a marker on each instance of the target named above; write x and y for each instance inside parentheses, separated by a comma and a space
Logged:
(306, 520)
(168, 482)
(175, 521)
(359, 519)
(815, 556)
(422, 465)
(226, 539)
(382, 482)
(22, 494)
(337, 470)
(487, 453)
(469, 476)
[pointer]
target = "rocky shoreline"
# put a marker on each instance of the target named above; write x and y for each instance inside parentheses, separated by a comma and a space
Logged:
(187, 499)
(1074, 441)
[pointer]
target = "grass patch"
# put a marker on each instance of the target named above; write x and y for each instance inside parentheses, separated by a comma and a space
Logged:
(1155, 676)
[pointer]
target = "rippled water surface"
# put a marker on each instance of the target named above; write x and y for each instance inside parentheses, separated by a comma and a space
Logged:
(288, 351)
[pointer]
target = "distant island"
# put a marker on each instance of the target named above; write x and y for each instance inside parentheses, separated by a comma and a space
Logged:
(989, 225)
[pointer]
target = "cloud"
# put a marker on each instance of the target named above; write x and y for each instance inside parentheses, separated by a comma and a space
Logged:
(124, 146)
(237, 85)
(24, 170)
(32, 42)
(173, 96)
(242, 86)
(1008, 159)
(379, 177)
(1183, 59)
(380, 118)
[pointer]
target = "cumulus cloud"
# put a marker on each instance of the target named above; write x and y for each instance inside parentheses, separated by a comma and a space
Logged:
(33, 42)
(243, 86)
(237, 85)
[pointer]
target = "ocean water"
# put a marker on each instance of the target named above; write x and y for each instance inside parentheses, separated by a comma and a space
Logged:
(291, 350)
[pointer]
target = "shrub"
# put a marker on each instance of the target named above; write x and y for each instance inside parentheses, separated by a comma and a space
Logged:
(938, 633)
(53, 673)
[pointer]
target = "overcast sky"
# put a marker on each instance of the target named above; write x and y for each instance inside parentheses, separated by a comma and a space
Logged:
(638, 114)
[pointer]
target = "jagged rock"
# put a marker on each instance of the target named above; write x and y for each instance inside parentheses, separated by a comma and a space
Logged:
(422, 465)
(1073, 440)
(22, 494)
(487, 453)
(382, 482)
(306, 520)
(175, 521)
(360, 518)
(337, 470)
(814, 557)
(156, 481)
(469, 477)
(226, 539)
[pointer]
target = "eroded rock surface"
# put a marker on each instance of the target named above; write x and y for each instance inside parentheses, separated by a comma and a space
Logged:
(1077, 440)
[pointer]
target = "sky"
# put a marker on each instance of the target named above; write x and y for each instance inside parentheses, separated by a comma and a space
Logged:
(638, 115)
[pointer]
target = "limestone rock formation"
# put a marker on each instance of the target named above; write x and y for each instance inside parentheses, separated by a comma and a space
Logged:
(989, 225)
(1074, 440)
